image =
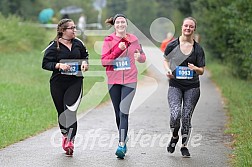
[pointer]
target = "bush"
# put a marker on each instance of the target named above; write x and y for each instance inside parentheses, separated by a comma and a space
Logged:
(226, 32)
(18, 36)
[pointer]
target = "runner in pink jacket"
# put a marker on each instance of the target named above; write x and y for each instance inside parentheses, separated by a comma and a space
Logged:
(111, 51)
(119, 53)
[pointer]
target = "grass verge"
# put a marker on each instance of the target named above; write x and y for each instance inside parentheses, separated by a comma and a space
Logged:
(26, 107)
(238, 95)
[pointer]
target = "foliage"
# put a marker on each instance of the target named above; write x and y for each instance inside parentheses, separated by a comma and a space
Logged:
(115, 6)
(216, 36)
(142, 14)
(165, 8)
(241, 42)
(184, 6)
(225, 29)
(24, 9)
(30, 9)
(18, 36)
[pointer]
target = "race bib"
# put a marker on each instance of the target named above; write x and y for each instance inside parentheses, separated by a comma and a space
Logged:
(73, 69)
(121, 63)
(183, 72)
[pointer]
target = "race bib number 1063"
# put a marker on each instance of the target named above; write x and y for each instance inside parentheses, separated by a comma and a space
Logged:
(183, 72)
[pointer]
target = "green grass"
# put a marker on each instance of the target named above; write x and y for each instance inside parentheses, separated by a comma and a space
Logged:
(26, 107)
(238, 95)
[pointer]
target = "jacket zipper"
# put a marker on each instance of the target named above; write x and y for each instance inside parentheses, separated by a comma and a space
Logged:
(124, 70)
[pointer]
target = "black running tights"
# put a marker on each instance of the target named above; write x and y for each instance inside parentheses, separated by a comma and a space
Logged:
(122, 96)
(66, 95)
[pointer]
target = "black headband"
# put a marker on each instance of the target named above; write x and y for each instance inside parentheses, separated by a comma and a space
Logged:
(118, 15)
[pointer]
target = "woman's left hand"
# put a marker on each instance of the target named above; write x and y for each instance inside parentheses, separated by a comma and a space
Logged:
(84, 66)
(192, 66)
(137, 55)
(198, 70)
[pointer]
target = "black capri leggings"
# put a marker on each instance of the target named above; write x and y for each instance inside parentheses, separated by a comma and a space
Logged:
(122, 96)
(66, 94)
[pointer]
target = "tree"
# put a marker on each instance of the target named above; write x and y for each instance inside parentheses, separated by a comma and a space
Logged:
(211, 21)
(165, 8)
(241, 41)
(226, 28)
(27, 9)
(184, 6)
(142, 14)
(115, 6)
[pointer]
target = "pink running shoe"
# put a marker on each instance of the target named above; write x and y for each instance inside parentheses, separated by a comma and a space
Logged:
(64, 140)
(69, 148)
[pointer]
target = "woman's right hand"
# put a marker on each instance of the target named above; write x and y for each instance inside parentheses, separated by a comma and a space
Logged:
(122, 45)
(169, 74)
(62, 66)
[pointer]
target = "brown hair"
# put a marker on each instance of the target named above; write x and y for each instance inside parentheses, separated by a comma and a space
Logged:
(62, 25)
(193, 19)
(111, 20)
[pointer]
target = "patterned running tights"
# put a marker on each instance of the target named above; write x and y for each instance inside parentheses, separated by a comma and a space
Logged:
(182, 104)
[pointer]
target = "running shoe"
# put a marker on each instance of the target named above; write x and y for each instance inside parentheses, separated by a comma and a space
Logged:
(172, 145)
(185, 152)
(64, 140)
(121, 151)
(69, 148)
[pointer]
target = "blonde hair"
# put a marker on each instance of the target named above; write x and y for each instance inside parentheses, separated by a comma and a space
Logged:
(193, 19)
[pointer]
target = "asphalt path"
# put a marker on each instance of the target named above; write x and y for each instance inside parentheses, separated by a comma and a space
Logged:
(149, 132)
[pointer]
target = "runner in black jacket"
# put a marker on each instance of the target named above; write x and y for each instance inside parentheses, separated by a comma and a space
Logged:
(66, 56)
